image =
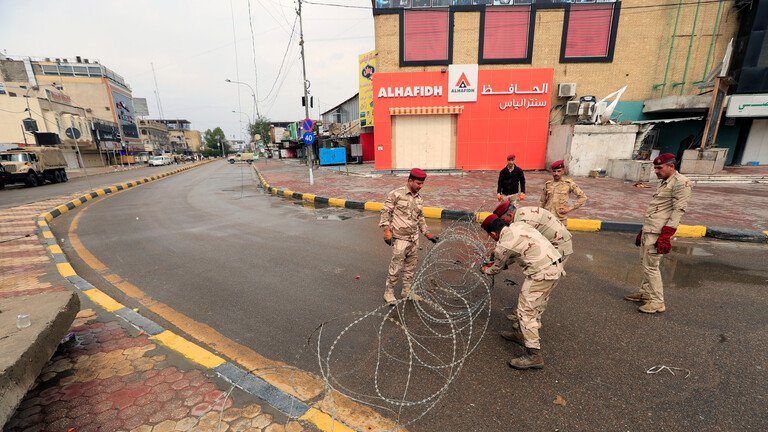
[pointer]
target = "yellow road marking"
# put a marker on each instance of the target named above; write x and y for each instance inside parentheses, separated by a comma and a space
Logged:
(694, 231)
(308, 197)
(55, 249)
(103, 300)
(482, 215)
(113, 189)
(590, 225)
(100, 192)
(62, 208)
(47, 234)
(287, 193)
(191, 351)
(48, 216)
(433, 212)
(65, 269)
(42, 224)
(336, 202)
(324, 421)
(76, 202)
(375, 206)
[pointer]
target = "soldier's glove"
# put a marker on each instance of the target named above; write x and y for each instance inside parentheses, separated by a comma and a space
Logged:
(499, 197)
(432, 238)
(388, 236)
(664, 244)
(521, 196)
(639, 238)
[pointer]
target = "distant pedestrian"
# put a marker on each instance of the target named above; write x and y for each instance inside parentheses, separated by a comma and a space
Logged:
(555, 196)
(402, 219)
(511, 184)
(661, 220)
(542, 267)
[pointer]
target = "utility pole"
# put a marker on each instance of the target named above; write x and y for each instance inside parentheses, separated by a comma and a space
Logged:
(311, 154)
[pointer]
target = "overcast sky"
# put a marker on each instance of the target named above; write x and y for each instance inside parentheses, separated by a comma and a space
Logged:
(192, 45)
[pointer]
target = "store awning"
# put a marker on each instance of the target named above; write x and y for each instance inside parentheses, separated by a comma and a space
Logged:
(427, 110)
(672, 104)
(669, 120)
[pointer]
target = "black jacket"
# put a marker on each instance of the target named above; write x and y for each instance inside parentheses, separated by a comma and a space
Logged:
(511, 182)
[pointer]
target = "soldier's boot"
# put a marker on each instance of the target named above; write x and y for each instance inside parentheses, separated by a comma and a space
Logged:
(515, 336)
(652, 307)
(389, 297)
(638, 297)
(531, 360)
(408, 294)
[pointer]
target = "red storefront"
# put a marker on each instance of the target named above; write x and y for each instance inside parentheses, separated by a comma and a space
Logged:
(463, 118)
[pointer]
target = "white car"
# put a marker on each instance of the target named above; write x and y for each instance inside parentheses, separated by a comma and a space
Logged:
(159, 161)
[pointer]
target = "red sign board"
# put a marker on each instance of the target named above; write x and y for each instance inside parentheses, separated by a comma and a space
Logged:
(511, 114)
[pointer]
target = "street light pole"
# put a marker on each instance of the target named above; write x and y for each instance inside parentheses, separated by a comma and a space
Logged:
(253, 94)
(310, 158)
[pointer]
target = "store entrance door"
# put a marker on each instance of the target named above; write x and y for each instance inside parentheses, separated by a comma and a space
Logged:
(424, 141)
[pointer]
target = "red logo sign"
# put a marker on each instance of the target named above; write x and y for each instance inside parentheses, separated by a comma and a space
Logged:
(463, 82)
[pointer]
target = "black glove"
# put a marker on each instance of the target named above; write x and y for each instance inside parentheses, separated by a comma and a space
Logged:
(638, 238)
(388, 241)
(434, 239)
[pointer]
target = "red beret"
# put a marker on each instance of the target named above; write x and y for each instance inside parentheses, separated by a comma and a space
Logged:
(511, 156)
(557, 164)
(418, 174)
(488, 221)
(664, 159)
(502, 208)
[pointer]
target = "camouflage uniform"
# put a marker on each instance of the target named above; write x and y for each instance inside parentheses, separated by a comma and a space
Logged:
(666, 209)
(403, 214)
(547, 224)
(542, 268)
(556, 193)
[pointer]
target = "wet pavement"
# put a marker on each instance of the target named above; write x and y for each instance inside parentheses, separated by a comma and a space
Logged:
(717, 205)
(265, 272)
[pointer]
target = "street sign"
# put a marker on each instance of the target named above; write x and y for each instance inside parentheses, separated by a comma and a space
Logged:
(307, 124)
(308, 138)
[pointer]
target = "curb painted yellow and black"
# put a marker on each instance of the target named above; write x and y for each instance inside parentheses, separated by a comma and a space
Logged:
(243, 379)
(584, 225)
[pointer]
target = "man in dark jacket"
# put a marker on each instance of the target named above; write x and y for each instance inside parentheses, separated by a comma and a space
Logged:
(511, 184)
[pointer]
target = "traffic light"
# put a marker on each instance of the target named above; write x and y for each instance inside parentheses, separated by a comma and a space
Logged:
(311, 101)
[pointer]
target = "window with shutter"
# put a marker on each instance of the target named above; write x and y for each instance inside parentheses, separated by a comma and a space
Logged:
(506, 35)
(425, 37)
(589, 33)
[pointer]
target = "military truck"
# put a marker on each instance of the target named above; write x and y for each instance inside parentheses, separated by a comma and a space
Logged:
(241, 157)
(34, 165)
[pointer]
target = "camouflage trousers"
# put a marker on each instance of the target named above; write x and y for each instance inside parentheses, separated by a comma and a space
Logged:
(533, 299)
(404, 256)
(651, 286)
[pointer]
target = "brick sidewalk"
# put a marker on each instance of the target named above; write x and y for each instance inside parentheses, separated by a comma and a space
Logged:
(110, 377)
(716, 205)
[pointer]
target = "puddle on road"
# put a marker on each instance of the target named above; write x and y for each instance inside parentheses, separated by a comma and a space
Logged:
(334, 217)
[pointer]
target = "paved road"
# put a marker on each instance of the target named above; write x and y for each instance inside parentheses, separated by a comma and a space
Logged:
(18, 194)
(265, 272)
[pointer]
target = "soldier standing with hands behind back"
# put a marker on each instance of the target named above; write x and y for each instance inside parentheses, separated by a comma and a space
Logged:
(661, 220)
(402, 218)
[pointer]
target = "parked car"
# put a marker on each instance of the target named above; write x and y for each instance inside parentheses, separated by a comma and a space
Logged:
(5, 177)
(160, 161)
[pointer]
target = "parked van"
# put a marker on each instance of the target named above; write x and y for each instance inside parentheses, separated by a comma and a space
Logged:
(160, 160)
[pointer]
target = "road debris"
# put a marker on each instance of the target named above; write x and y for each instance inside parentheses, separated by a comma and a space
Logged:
(671, 369)
(559, 400)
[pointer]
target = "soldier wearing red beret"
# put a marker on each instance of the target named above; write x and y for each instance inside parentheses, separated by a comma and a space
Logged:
(511, 184)
(402, 218)
(661, 220)
(555, 196)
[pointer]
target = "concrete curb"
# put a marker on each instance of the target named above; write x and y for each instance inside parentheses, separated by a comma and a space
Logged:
(193, 352)
(584, 225)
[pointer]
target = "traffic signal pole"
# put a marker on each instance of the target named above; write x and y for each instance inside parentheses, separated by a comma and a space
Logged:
(311, 154)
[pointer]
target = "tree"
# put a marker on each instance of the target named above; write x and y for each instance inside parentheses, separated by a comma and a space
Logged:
(261, 127)
(214, 139)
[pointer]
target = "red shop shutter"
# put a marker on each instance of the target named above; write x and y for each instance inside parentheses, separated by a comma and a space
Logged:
(426, 35)
(589, 31)
(505, 32)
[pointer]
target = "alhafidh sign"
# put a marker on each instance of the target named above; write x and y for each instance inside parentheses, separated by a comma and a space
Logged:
(748, 105)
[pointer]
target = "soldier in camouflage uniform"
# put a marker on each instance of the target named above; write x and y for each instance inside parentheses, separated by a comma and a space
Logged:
(556, 193)
(402, 218)
(543, 220)
(542, 267)
(661, 220)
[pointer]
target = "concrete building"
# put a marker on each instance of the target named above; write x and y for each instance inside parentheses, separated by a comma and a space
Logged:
(340, 127)
(194, 140)
(487, 80)
(182, 138)
(154, 137)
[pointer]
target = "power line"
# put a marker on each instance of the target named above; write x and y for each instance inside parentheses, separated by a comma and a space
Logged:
(337, 5)
(285, 54)
(255, 70)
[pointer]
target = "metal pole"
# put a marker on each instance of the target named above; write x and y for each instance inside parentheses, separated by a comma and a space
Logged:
(310, 156)
(671, 47)
(77, 149)
(690, 46)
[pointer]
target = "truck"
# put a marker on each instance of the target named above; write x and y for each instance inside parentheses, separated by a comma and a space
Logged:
(241, 157)
(34, 165)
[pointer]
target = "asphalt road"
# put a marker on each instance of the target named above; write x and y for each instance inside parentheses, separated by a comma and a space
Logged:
(265, 272)
(18, 194)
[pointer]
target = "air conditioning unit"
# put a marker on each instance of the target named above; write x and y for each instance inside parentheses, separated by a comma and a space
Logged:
(566, 90)
(572, 108)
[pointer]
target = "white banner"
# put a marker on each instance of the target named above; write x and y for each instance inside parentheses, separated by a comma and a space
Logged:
(462, 83)
(748, 105)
